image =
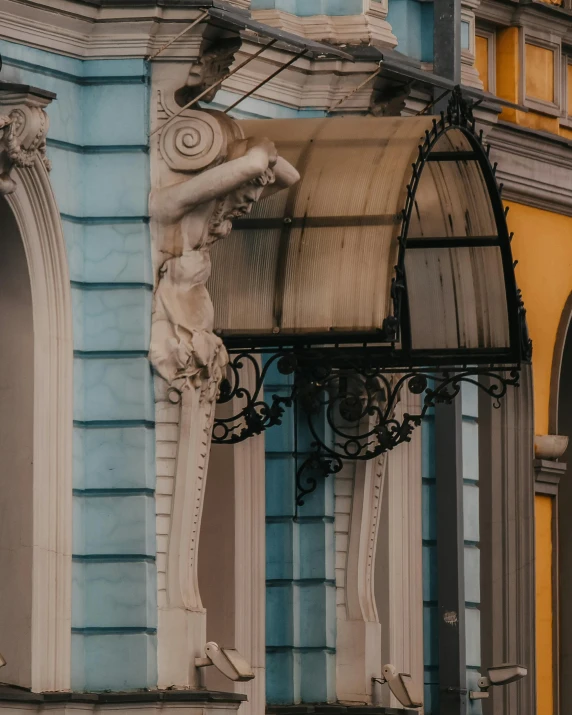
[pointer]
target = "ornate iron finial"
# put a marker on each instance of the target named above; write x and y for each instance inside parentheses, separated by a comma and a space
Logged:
(460, 109)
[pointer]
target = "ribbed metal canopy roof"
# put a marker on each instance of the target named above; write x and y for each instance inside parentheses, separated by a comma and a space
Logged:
(318, 263)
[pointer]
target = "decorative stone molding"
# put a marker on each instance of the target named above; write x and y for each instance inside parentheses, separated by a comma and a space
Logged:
(23, 128)
(205, 174)
(533, 166)
(399, 558)
(371, 27)
(358, 643)
(26, 184)
(550, 446)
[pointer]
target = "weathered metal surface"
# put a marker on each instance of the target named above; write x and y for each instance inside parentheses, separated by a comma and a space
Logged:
(325, 262)
(320, 259)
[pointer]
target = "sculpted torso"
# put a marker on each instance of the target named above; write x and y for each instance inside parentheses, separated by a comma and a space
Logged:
(195, 213)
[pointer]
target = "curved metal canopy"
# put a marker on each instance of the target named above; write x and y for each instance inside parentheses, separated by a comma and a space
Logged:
(394, 238)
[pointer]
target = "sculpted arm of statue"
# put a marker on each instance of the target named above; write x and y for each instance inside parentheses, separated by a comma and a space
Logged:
(171, 203)
(286, 176)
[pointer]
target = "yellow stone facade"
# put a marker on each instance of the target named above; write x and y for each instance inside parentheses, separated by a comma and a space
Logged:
(543, 247)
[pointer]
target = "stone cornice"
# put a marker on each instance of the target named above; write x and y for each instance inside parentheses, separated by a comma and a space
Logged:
(84, 31)
(535, 167)
(536, 13)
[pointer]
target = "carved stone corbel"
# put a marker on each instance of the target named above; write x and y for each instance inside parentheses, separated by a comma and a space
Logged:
(23, 128)
(205, 175)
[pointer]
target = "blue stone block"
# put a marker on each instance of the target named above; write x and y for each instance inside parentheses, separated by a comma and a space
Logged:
(430, 635)
(430, 573)
(280, 485)
(428, 448)
(472, 574)
(427, 24)
(120, 595)
(473, 629)
(317, 677)
(317, 615)
(44, 60)
(470, 400)
(282, 613)
(78, 593)
(429, 506)
(74, 238)
(470, 436)
(77, 662)
(116, 525)
(280, 438)
(431, 699)
(282, 677)
(113, 389)
(115, 661)
(117, 253)
(78, 525)
(104, 125)
(282, 548)
(304, 8)
(112, 320)
(317, 550)
(67, 179)
(471, 512)
(114, 458)
(120, 68)
(115, 184)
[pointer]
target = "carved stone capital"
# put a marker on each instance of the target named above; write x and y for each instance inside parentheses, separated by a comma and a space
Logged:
(23, 128)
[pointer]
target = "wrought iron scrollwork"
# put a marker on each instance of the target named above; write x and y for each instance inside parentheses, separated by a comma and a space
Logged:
(347, 397)
(348, 408)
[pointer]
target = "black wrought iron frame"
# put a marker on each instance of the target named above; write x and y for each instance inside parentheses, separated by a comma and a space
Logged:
(348, 393)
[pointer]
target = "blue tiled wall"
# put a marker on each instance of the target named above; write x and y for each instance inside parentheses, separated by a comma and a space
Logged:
(300, 578)
(98, 147)
(470, 440)
(311, 7)
(412, 23)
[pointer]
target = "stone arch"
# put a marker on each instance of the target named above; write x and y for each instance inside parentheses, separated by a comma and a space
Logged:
(31, 212)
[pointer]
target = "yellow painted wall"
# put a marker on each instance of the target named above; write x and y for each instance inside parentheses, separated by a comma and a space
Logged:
(482, 60)
(544, 507)
(542, 245)
(537, 81)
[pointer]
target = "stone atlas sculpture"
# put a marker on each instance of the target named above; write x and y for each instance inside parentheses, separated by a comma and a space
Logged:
(206, 174)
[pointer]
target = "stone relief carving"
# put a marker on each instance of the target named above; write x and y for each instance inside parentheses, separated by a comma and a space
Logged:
(23, 132)
(206, 174)
(213, 64)
(194, 213)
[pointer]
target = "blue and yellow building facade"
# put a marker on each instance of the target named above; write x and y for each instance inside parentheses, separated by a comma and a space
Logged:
(316, 597)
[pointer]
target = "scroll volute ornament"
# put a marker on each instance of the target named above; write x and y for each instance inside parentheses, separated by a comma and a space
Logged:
(23, 128)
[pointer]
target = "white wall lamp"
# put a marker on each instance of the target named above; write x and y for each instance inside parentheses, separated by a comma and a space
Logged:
(402, 685)
(498, 675)
(227, 660)
(2, 659)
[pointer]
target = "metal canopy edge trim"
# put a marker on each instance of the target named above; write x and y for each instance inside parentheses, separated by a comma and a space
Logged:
(395, 67)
